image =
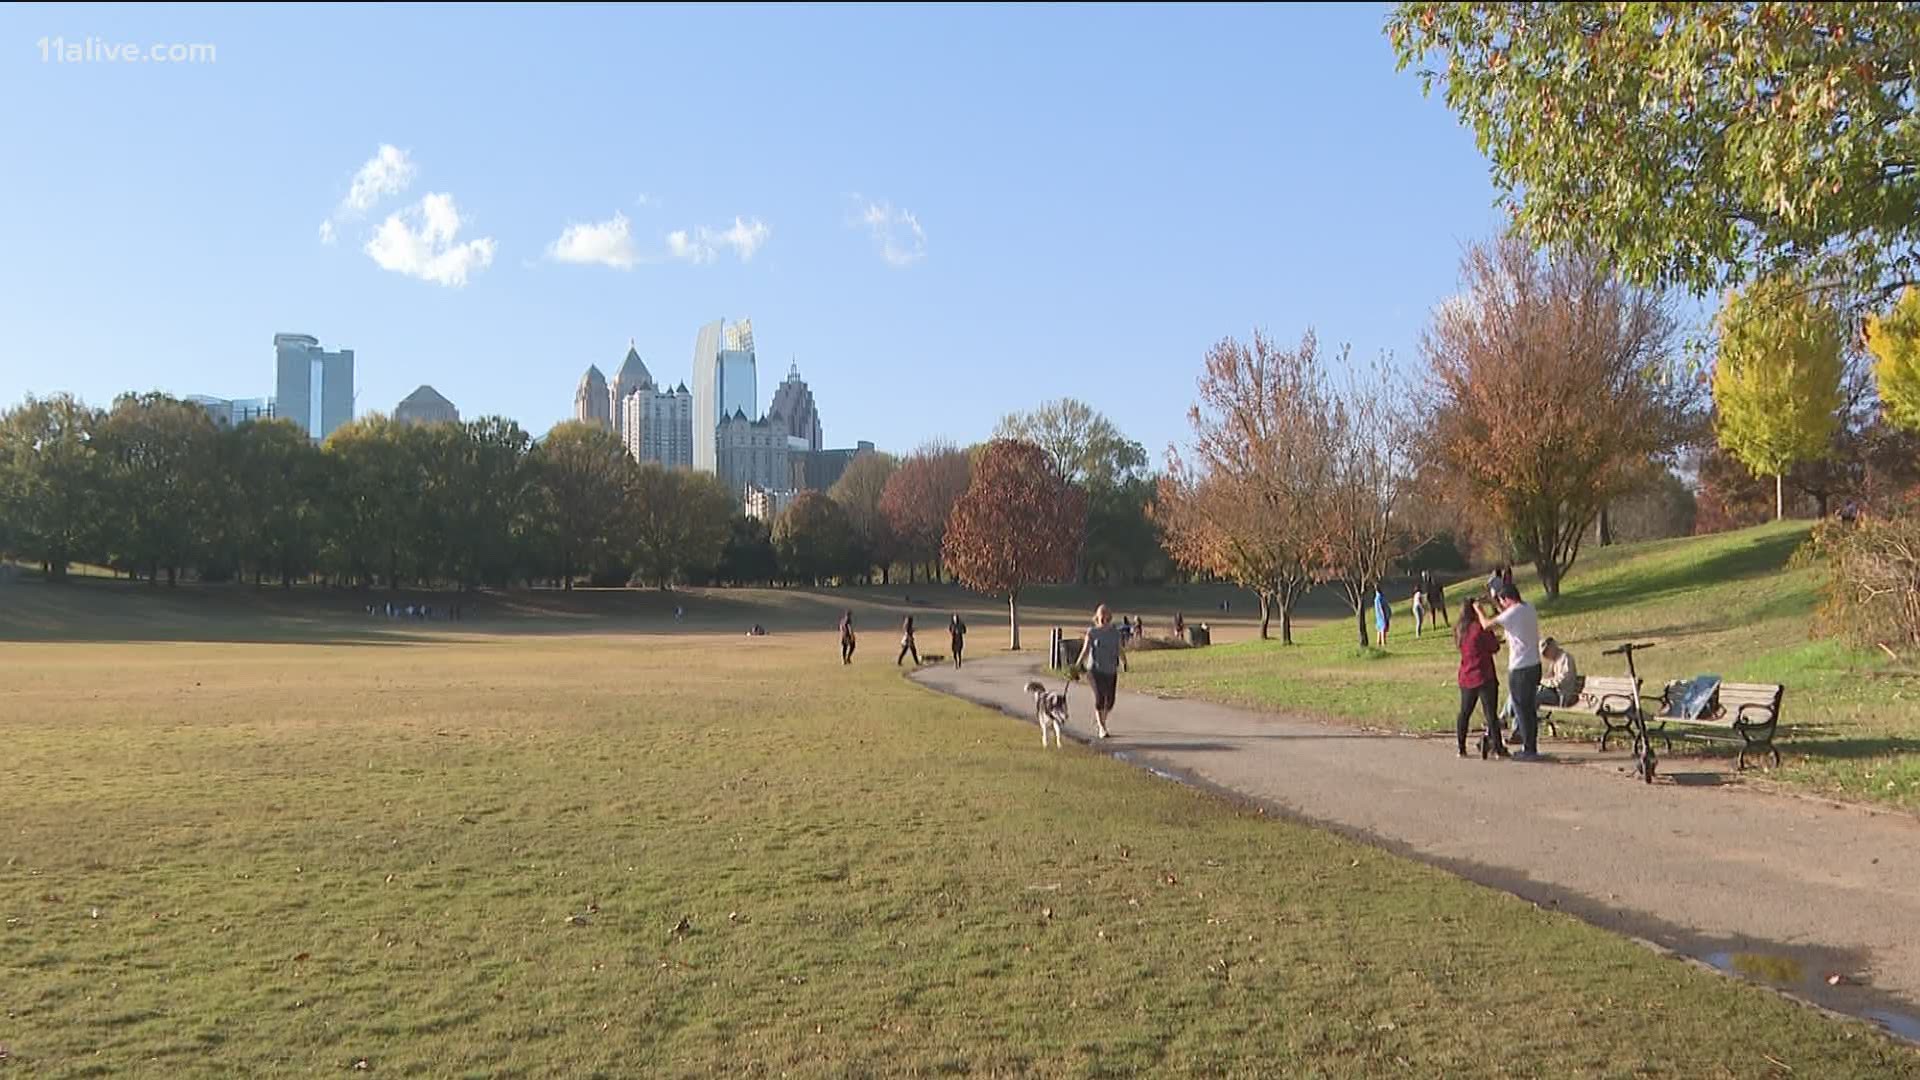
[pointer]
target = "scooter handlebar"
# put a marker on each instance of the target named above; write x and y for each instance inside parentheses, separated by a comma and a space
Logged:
(1630, 647)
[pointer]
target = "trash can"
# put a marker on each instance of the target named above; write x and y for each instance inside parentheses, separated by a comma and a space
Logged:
(1197, 635)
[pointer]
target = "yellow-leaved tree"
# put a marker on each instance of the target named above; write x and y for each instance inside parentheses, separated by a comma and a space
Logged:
(1894, 342)
(1776, 382)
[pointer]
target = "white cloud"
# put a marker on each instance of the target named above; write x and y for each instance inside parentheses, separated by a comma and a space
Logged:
(419, 241)
(389, 172)
(896, 232)
(703, 244)
(606, 243)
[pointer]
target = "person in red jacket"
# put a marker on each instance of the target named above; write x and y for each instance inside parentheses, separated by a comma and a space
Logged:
(1478, 682)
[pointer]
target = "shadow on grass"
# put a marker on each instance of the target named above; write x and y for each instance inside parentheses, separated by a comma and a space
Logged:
(1842, 749)
(1756, 558)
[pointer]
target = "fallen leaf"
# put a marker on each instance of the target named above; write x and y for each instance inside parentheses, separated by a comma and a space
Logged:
(299, 957)
(684, 926)
(362, 1064)
(576, 920)
(1836, 979)
(1046, 913)
(1170, 879)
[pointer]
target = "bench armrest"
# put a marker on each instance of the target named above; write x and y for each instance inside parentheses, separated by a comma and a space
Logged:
(1619, 704)
(1765, 715)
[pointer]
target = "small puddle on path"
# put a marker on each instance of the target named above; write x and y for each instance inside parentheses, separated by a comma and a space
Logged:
(1796, 975)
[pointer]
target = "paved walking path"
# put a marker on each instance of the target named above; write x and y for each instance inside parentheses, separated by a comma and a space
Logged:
(1707, 867)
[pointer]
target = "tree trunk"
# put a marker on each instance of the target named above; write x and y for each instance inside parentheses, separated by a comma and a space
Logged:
(1779, 498)
(1266, 615)
(173, 577)
(1286, 622)
(1549, 578)
(886, 571)
(1013, 618)
(1821, 501)
(1360, 610)
(1606, 526)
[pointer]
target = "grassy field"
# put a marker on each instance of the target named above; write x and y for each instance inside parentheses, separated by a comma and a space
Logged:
(1727, 605)
(523, 850)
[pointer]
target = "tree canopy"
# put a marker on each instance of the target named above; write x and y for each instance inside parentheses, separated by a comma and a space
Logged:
(1699, 145)
(1776, 382)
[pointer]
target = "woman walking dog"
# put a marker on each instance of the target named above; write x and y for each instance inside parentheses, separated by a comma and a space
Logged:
(1104, 658)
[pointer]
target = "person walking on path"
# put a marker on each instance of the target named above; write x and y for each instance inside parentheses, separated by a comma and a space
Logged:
(846, 638)
(1104, 658)
(906, 643)
(957, 635)
(1382, 615)
(1478, 681)
(1522, 625)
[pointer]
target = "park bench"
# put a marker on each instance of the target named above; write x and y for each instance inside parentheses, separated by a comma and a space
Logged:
(1749, 711)
(1609, 698)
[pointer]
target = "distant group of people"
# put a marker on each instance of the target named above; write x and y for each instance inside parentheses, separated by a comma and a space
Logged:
(421, 612)
(956, 637)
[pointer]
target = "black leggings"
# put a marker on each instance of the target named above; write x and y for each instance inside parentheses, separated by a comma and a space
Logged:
(1485, 694)
(904, 650)
(846, 650)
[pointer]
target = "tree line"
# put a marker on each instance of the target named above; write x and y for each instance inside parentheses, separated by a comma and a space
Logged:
(151, 487)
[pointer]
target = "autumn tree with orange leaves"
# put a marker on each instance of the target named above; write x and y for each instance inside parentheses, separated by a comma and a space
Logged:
(918, 500)
(1552, 387)
(1244, 506)
(1019, 523)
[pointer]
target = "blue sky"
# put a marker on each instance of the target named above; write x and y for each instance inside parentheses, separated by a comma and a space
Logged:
(942, 213)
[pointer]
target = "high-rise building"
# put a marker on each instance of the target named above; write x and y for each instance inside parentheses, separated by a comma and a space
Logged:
(590, 401)
(793, 407)
(723, 385)
(706, 396)
(313, 387)
(767, 505)
(819, 470)
(633, 375)
(752, 452)
(426, 406)
(232, 412)
(657, 425)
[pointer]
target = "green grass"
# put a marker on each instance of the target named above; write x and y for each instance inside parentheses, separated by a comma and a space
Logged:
(232, 857)
(1727, 604)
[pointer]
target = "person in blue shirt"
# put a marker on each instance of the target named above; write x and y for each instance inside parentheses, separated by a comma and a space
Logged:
(1382, 614)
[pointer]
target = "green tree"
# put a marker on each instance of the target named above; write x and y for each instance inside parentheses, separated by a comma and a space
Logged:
(747, 556)
(489, 498)
(1894, 341)
(375, 498)
(51, 480)
(858, 491)
(812, 539)
(1776, 383)
(583, 476)
(160, 455)
(1694, 144)
(281, 480)
(679, 523)
(1089, 452)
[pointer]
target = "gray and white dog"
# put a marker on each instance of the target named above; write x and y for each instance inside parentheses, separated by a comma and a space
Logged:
(1049, 709)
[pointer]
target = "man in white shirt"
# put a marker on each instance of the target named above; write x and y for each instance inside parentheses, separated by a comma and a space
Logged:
(1522, 627)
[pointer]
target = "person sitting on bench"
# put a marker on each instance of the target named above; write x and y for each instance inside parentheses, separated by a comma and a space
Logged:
(1562, 681)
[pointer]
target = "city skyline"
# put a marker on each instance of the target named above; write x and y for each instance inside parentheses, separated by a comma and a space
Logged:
(924, 225)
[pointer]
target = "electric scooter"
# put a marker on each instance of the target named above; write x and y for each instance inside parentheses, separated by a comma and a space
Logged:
(1644, 760)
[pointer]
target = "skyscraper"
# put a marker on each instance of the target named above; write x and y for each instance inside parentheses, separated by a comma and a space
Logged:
(590, 401)
(724, 383)
(793, 407)
(312, 387)
(657, 425)
(426, 406)
(633, 375)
